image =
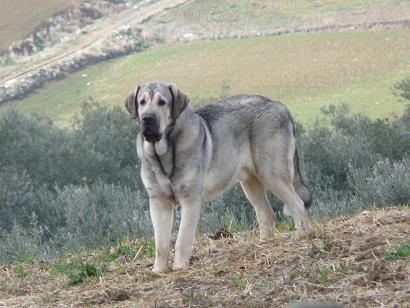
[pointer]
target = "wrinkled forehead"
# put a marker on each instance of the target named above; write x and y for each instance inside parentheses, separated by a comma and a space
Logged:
(153, 89)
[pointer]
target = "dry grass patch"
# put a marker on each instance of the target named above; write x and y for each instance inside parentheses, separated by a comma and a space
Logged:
(342, 260)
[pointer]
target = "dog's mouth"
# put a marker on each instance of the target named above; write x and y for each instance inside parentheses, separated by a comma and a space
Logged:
(151, 135)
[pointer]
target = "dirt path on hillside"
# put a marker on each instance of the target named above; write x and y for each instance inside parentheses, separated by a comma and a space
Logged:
(103, 29)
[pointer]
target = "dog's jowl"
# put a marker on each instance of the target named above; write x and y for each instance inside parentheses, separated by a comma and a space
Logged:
(190, 157)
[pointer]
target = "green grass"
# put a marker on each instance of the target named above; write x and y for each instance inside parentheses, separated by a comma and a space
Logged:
(79, 268)
(239, 282)
(76, 271)
(19, 271)
(402, 251)
(285, 225)
(236, 224)
(305, 72)
(84, 271)
(320, 276)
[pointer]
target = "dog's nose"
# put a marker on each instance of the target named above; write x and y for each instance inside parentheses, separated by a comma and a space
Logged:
(148, 118)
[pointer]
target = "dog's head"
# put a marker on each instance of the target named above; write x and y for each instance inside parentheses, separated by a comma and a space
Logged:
(156, 105)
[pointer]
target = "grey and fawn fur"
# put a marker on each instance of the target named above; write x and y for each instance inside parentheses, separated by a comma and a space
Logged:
(190, 157)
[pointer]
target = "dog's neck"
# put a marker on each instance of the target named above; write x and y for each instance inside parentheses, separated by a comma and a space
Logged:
(187, 127)
(163, 154)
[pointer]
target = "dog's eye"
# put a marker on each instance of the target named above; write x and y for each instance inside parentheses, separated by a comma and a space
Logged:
(161, 102)
(142, 102)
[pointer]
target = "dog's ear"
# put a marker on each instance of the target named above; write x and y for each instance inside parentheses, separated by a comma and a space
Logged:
(131, 103)
(179, 101)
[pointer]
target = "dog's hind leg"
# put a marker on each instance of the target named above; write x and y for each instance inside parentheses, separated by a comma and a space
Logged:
(255, 191)
(278, 173)
(294, 205)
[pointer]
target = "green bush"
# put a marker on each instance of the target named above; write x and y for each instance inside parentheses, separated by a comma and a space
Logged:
(104, 143)
(35, 146)
(387, 183)
(402, 88)
(16, 197)
(101, 212)
(101, 146)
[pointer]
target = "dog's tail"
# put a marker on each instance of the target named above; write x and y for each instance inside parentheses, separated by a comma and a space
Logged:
(300, 187)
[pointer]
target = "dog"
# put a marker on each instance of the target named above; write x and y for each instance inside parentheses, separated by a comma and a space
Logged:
(190, 157)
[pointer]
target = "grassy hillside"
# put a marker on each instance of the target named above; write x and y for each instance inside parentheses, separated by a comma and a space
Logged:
(18, 18)
(360, 261)
(286, 14)
(304, 71)
(252, 16)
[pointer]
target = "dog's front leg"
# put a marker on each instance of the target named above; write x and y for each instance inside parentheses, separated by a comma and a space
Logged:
(162, 217)
(190, 210)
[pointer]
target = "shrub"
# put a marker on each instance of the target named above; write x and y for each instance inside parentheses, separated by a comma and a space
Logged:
(100, 213)
(25, 242)
(101, 146)
(387, 183)
(104, 140)
(16, 197)
(35, 146)
(402, 88)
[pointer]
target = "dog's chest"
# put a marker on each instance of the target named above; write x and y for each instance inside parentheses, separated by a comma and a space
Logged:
(161, 167)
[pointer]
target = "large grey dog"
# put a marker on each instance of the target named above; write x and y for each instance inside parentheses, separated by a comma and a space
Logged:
(190, 157)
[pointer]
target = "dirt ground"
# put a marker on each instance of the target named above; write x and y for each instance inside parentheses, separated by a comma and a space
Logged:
(359, 261)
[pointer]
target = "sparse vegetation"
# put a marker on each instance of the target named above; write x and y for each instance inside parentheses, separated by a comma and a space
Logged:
(239, 282)
(19, 271)
(402, 251)
(286, 225)
(320, 275)
(82, 272)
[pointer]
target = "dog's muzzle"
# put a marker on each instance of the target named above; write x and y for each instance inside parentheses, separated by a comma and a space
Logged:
(150, 128)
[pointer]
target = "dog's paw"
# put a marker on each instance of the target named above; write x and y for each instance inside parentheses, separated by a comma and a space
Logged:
(303, 234)
(266, 238)
(160, 269)
(180, 265)
(266, 235)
